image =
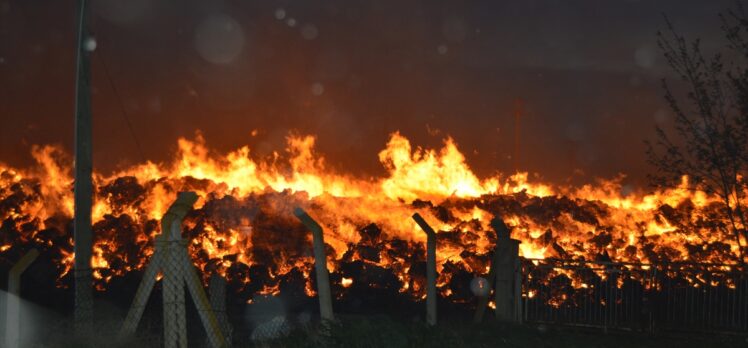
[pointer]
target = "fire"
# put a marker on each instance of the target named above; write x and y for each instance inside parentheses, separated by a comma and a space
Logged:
(243, 228)
(424, 174)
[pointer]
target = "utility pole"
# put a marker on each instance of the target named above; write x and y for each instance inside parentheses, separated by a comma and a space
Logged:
(83, 183)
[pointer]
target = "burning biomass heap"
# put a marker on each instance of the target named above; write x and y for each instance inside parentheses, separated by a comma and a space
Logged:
(244, 226)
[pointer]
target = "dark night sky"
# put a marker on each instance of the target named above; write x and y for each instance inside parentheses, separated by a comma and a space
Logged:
(352, 72)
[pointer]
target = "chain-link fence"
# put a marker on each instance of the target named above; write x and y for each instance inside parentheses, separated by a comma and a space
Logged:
(171, 262)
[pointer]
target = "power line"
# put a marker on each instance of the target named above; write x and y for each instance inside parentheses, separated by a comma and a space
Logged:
(121, 105)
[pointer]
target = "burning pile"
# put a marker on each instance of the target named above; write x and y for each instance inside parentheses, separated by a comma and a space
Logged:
(244, 227)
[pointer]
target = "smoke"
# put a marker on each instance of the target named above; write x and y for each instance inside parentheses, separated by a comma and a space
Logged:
(245, 68)
(646, 56)
(309, 32)
(454, 29)
(123, 12)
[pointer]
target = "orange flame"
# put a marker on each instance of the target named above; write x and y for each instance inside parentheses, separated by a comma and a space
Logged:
(550, 221)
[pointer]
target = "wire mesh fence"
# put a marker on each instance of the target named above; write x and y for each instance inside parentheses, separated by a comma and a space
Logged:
(643, 297)
(171, 264)
(702, 297)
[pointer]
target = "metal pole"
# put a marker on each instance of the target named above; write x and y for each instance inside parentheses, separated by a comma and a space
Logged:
(83, 183)
(430, 269)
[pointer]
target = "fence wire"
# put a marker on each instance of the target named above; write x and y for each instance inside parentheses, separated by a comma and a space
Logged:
(643, 297)
(175, 317)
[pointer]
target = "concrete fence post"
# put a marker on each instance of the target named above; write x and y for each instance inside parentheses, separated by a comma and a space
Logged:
(431, 296)
(218, 303)
(320, 264)
(172, 259)
(13, 300)
(504, 293)
(175, 319)
(505, 276)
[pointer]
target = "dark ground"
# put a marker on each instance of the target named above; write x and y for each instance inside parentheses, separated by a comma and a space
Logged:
(383, 331)
(382, 321)
(396, 325)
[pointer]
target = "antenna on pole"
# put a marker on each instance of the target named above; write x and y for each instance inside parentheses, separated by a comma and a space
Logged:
(83, 189)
